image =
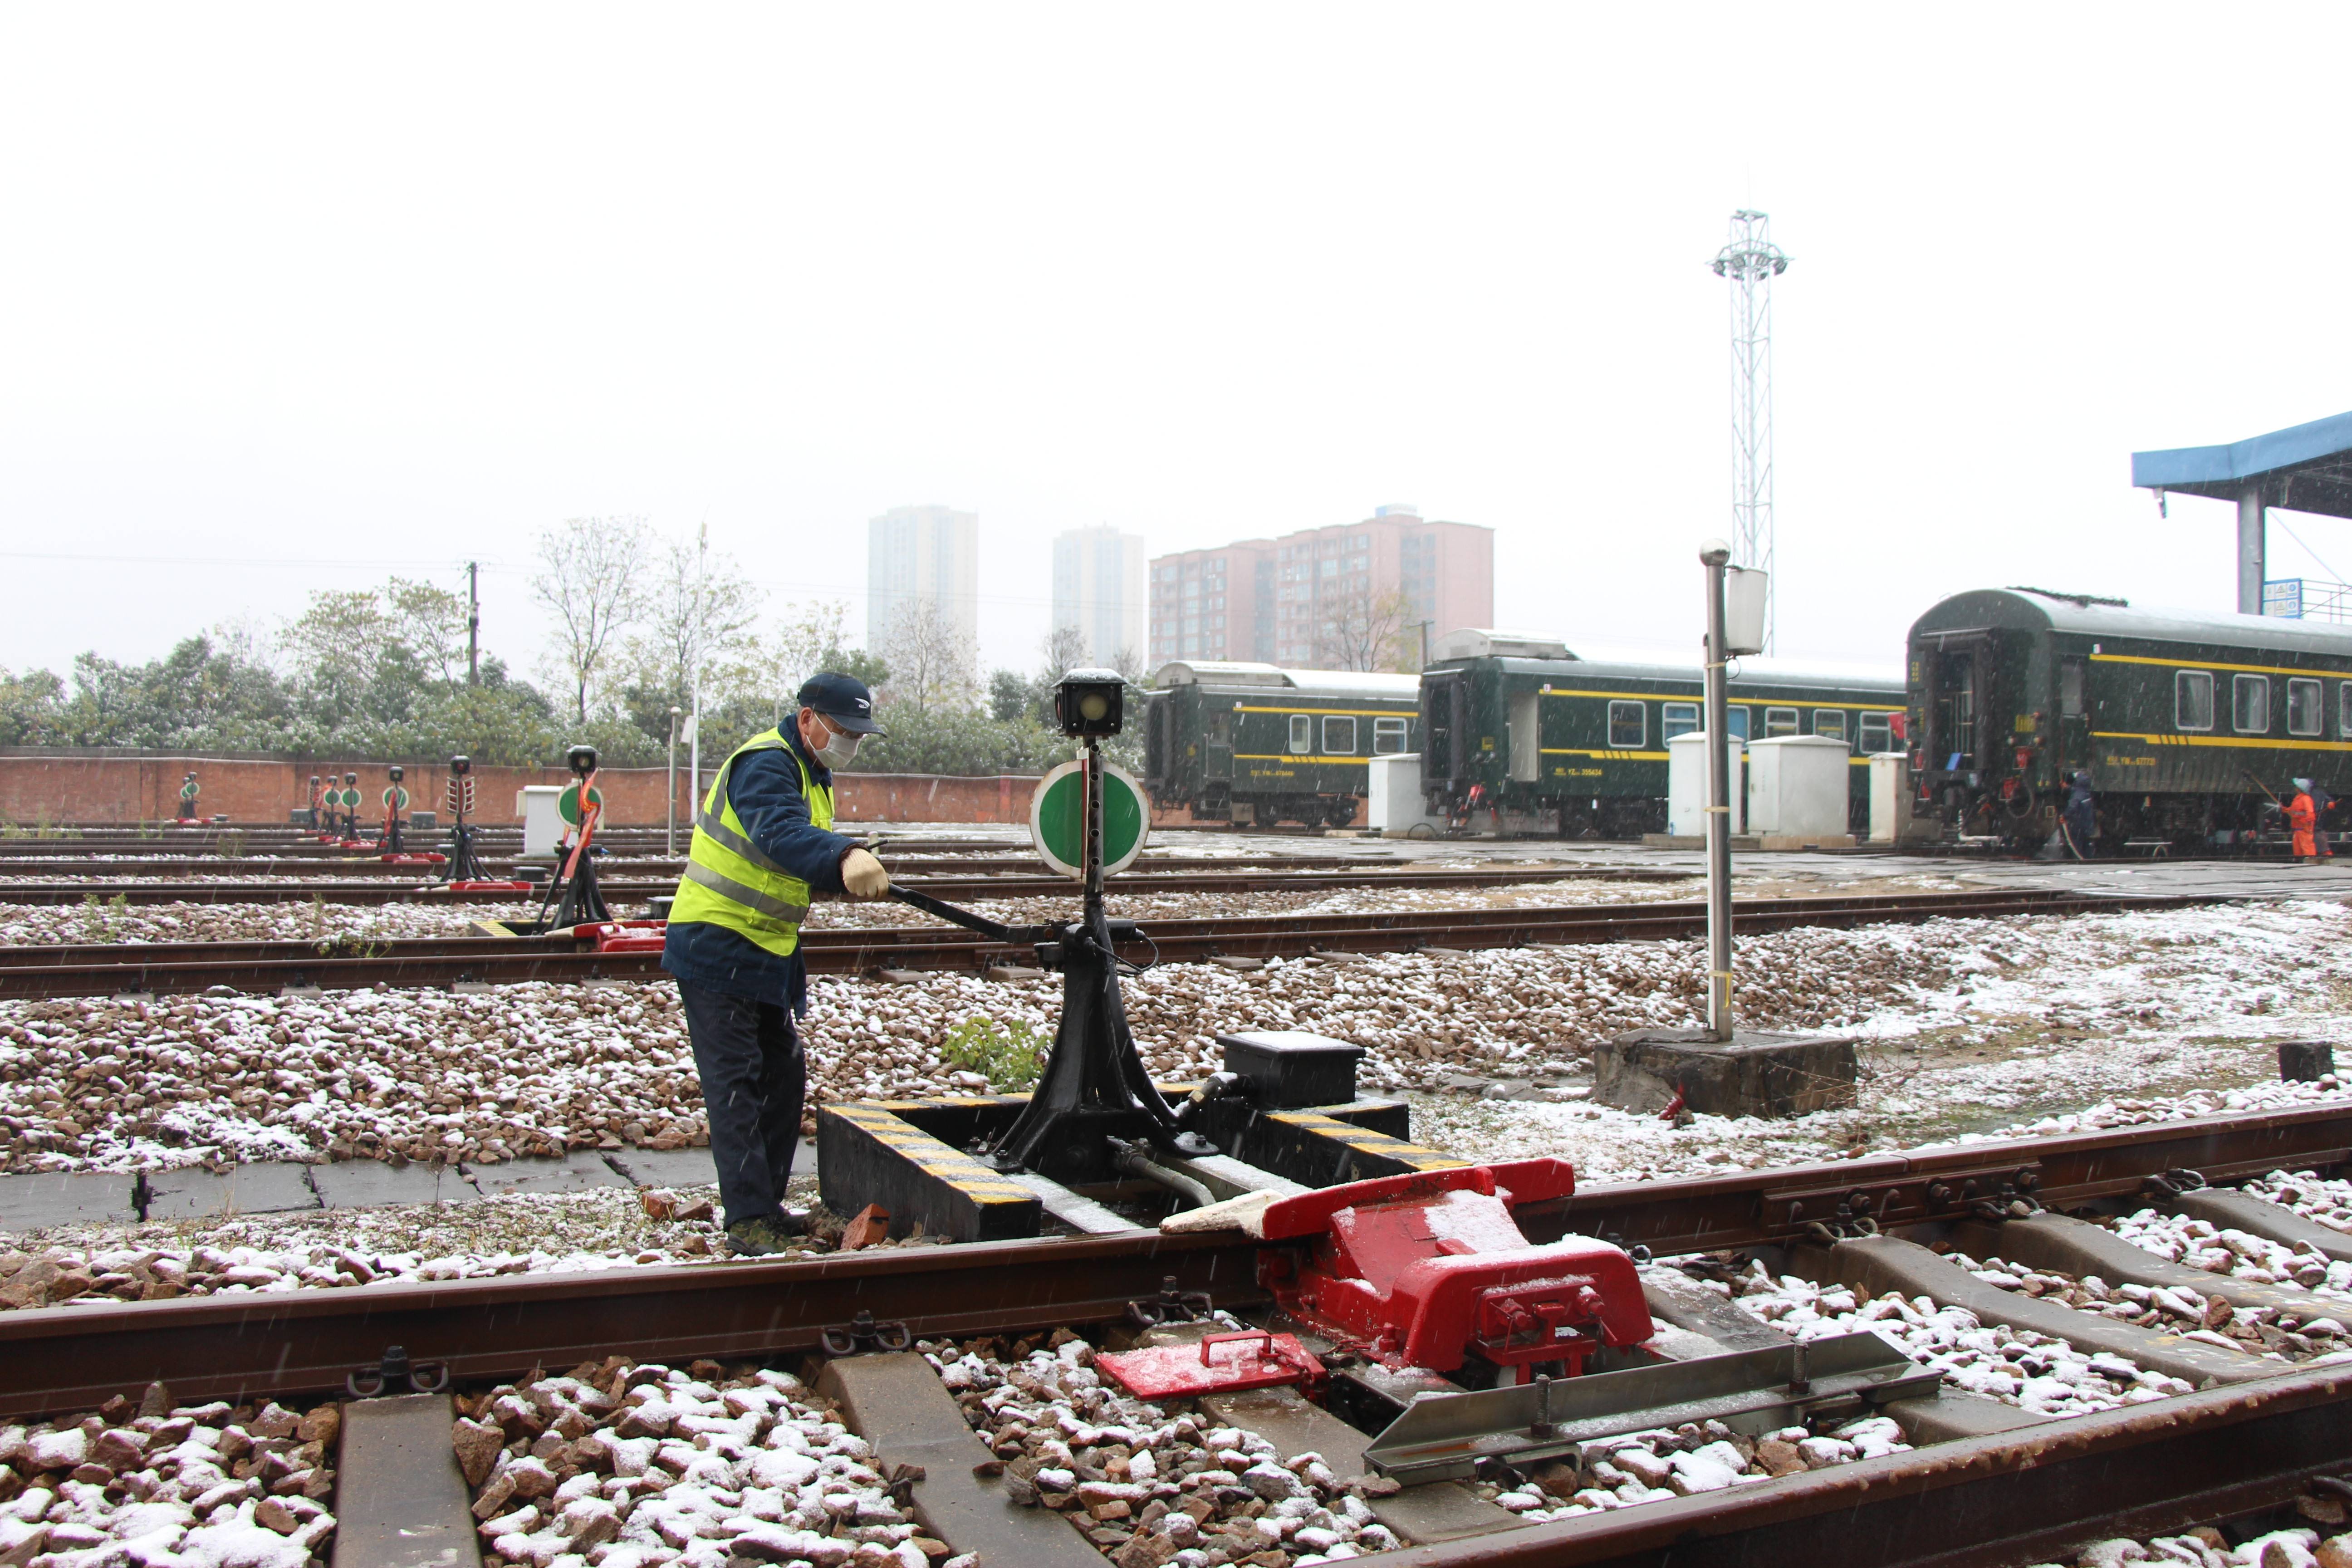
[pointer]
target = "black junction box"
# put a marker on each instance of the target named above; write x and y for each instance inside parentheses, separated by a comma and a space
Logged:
(1288, 1069)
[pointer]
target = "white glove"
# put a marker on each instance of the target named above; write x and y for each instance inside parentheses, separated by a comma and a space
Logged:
(863, 875)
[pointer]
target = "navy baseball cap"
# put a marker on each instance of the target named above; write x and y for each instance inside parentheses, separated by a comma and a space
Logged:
(841, 698)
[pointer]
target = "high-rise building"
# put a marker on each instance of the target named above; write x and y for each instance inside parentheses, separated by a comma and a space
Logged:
(1348, 596)
(1098, 589)
(922, 555)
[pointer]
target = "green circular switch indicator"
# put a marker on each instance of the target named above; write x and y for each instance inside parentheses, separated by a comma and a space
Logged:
(1057, 818)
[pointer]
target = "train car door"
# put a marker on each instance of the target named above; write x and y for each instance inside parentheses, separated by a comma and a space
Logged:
(1217, 745)
(1526, 724)
(1442, 718)
(1954, 705)
(2073, 716)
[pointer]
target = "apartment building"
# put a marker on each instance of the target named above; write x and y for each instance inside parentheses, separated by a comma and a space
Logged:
(1350, 596)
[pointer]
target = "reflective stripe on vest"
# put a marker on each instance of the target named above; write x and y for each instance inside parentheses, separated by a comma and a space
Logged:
(729, 881)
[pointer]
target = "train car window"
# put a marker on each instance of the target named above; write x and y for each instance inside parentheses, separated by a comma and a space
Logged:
(1780, 722)
(1830, 722)
(1389, 737)
(1339, 737)
(1877, 733)
(2344, 710)
(2192, 699)
(1629, 725)
(1302, 734)
(1681, 718)
(2307, 709)
(1221, 728)
(2250, 704)
(1735, 720)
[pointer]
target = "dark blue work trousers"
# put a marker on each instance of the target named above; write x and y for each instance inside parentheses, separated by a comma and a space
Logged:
(753, 1081)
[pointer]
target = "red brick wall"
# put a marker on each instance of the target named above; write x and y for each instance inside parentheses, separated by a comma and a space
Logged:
(63, 787)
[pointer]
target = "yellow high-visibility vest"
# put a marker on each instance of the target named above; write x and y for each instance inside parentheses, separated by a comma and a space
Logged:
(728, 881)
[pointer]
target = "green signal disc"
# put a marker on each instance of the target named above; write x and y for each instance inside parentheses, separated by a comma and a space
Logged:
(567, 804)
(1057, 818)
(396, 798)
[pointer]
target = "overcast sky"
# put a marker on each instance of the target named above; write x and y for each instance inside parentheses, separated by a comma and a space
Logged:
(290, 298)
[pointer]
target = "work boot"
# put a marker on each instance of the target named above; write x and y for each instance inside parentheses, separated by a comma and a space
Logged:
(765, 1235)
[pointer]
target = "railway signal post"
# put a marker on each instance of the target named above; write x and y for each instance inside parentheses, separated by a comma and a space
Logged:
(1720, 1070)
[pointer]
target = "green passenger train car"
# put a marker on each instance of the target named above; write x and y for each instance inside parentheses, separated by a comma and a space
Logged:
(1525, 737)
(1258, 744)
(2182, 719)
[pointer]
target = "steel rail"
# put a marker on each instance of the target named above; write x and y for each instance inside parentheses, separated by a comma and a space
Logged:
(2027, 1496)
(371, 864)
(264, 967)
(617, 884)
(58, 1357)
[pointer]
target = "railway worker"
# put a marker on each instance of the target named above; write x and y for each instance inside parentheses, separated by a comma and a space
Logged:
(2080, 820)
(189, 789)
(2302, 819)
(762, 847)
(2321, 803)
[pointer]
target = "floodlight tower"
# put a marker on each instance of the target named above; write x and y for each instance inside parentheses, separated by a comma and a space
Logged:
(1749, 263)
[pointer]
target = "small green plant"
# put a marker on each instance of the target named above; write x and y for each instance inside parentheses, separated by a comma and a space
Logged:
(232, 844)
(103, 923)
(1010, 1056)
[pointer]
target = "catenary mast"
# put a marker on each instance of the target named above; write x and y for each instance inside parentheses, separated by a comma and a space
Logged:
(1749, 263)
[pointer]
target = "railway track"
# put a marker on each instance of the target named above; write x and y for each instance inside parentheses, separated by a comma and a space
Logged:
(620, 885)
(276, 966)
(2254, 1438)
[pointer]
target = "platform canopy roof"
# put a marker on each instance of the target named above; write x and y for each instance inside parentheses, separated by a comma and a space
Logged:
(2308, 468)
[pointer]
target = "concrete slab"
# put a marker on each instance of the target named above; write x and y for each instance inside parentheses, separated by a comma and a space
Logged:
(192, 1192)
(685, 1167)
(44, 1198)
(897, 1403)
(400, 1499)
(2229, 1208)
(371, 1184)
(576, 1173)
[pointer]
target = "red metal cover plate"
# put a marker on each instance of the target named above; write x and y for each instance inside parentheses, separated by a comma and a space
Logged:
(1220, 1364)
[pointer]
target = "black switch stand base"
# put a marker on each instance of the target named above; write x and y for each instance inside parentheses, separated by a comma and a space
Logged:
(1094, 1087)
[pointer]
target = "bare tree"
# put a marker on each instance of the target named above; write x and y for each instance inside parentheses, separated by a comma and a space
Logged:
(932, 659)
(1358, 629)
(592, 578)
(1129, 663)
(1066, 649)
(701, 617)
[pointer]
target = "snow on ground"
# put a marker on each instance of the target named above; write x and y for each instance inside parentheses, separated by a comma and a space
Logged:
(2314, 1334)
(2034, 1372)
(2206, 1547)
(36, 925)
(199, 1484)
(2077, 1021)
(630, 1465)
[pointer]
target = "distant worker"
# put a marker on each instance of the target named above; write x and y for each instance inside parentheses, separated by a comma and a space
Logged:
(2322, 803)
(2302, 820)
(762, 847)
(2080, 821)
(189, 789)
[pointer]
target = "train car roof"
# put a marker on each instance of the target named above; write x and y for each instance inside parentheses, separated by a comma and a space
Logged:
(2085, 614)
(1262, 676)
(1744, 672)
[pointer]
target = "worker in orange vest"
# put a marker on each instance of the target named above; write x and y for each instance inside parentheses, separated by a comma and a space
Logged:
(2302, 818)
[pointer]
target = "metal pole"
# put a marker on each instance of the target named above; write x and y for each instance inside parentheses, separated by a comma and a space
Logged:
(472, 623)
(2253, 546)
(669, 837)
(1719, 801)
(1094, 829)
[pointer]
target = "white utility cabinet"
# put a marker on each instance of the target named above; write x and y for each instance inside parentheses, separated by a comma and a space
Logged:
(1890, 795)
(1797, 785)
(543, 822)
(1393, 805)
(1687, 785)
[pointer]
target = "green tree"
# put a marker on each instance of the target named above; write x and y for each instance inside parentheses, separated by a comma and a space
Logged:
(32, 708)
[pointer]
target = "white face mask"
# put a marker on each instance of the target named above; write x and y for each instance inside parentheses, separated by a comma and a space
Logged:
(838, 748)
